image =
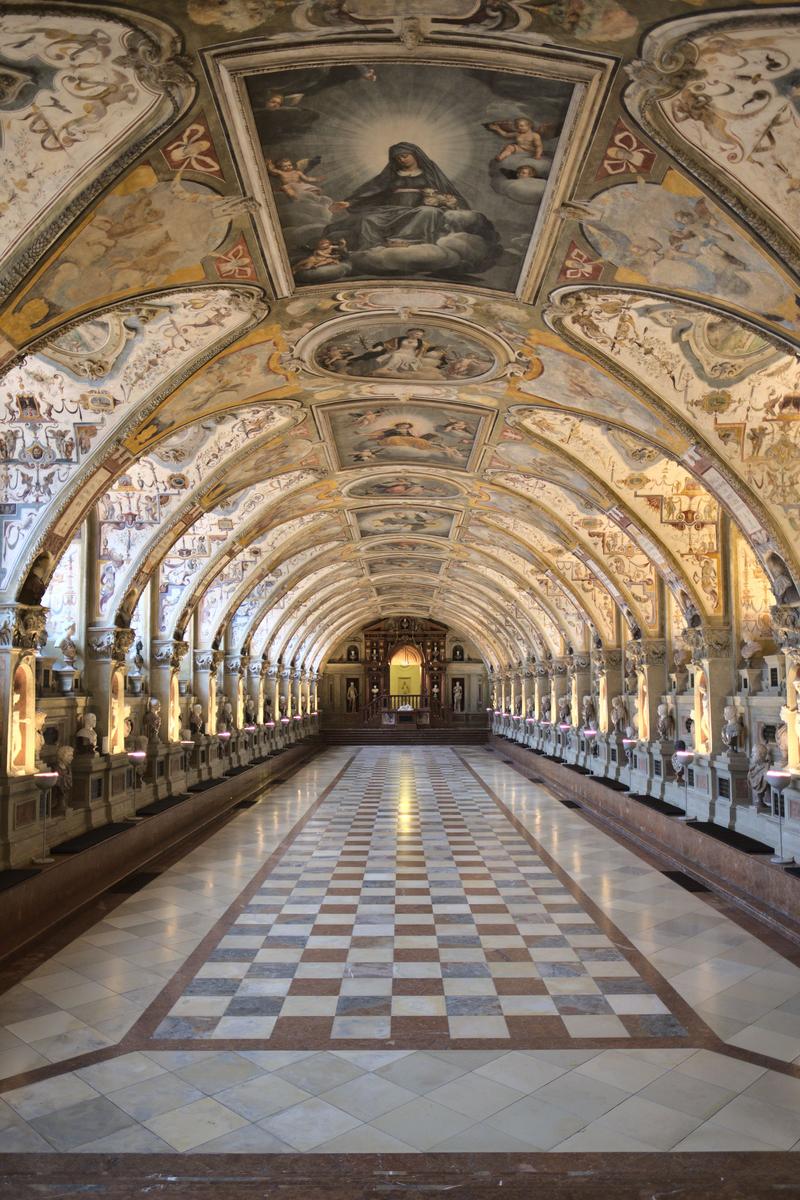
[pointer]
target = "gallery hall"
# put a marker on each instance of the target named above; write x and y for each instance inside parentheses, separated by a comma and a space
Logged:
(399, 599)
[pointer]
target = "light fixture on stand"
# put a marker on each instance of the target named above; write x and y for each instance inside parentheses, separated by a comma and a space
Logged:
(44, 781)
(779, 779)
(137, 760)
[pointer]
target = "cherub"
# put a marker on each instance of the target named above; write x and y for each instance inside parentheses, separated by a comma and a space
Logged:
(524, 172)
(294, 181)
(521, 137)
(283, 100)
(325, 254)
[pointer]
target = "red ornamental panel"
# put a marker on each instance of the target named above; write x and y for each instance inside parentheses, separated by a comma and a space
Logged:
(625, 154)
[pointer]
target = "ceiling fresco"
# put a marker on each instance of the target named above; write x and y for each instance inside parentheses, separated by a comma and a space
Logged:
(314, 313)
(455, 197)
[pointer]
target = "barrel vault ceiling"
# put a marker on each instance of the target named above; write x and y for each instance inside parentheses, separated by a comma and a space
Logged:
(327, 310)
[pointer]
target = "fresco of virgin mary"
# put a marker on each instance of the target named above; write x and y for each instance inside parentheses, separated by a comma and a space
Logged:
(410, 202)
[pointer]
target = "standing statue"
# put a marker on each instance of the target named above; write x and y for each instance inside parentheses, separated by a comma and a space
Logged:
(588, 713)
(665, 723)
(619, 714)
(86, 737)
(352, 697)
(458, 697)
(733, 728)
(151, 721)
(757, 773)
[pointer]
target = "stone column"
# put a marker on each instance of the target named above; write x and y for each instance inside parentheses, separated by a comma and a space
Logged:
(786, 625)
(285, 691)
(580, 680)
(648, 657)
(715, 680)
(271, 693)
(165, 658)
(233, 685)
(541, 688)
(206, 663)
(22, 631)
(607, 666)
(255, 686)
(106, 652)
(560, 683)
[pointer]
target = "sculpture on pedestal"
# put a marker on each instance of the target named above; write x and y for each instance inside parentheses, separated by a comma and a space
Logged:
(564, 710)
(757, 772)
(63, 788)
(68, 648)
(678, 763)
(680, 670)
(250, 713)
(665, 723)
(619, 714)
(197, 725)
(588, 712)
(547, 705)
(733, 728)
(40, 716)
(151, 721)
(225, 721)
(86, 737)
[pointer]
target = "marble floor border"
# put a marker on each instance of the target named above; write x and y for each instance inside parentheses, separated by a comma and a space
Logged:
(480, 1176)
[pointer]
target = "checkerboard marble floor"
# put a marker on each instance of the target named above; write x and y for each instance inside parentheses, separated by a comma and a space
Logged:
(411, 909)
(425, 892)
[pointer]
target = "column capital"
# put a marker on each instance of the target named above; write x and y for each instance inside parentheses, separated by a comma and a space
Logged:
(708, 641)
(234, 664)
(110, 644)
(169, 652)
(256, 668)
(22, 626)
(646, 652)
(207, 660)
(606, 659)
(578, 661)
(786, 627)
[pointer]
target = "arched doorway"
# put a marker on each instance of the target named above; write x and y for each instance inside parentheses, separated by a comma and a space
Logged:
(405, 675)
